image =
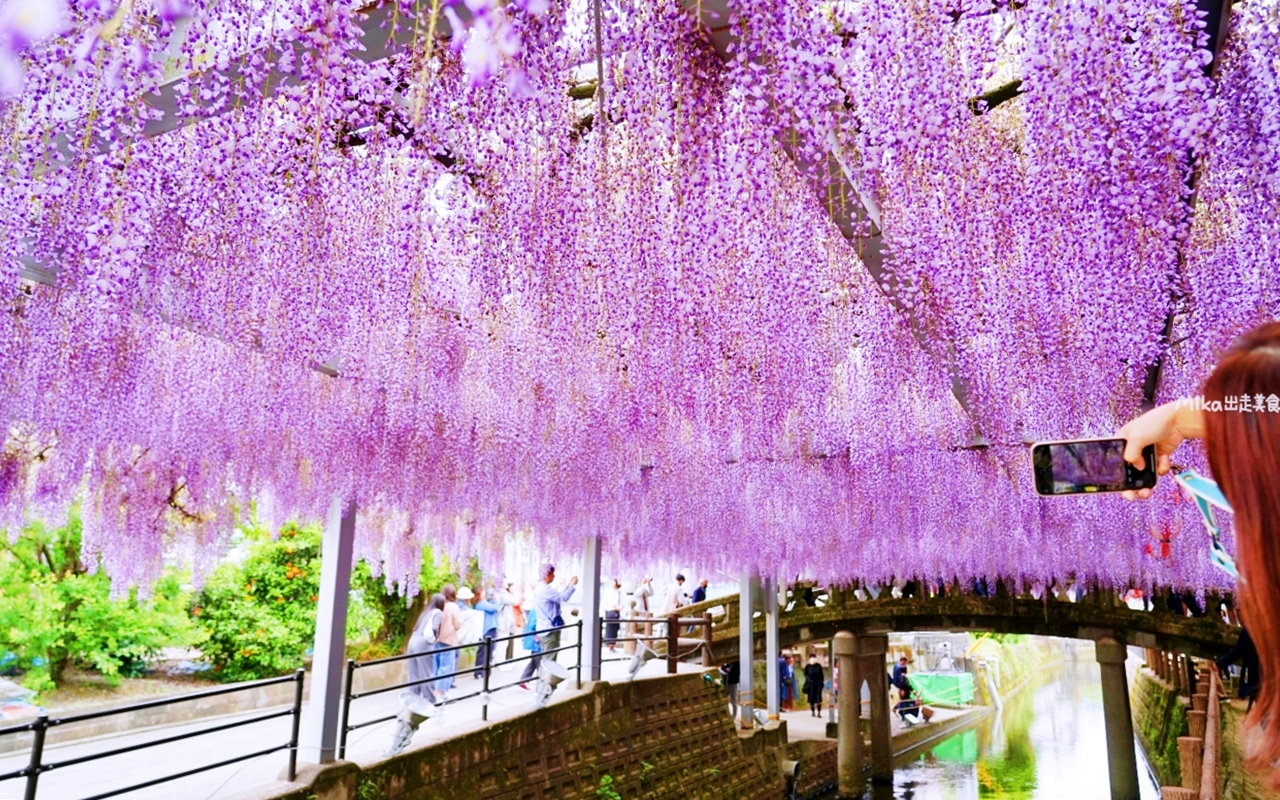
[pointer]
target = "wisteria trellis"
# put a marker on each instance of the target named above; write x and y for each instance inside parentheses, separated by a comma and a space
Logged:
(631, 319)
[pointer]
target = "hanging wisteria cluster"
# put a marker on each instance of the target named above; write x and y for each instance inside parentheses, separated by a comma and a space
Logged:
(278, 251)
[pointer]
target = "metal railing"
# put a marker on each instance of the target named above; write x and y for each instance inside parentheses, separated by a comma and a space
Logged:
(486, 669)
(671, 637)
(41, 724)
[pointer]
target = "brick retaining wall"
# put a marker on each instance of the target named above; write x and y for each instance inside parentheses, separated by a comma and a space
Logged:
(1159, 718)
(659, 738)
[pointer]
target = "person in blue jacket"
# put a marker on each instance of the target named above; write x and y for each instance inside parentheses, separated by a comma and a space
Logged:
(484, 655)
(532, 643)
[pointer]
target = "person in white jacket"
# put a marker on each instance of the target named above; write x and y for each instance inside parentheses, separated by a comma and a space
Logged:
(675, 597)
(509, 597)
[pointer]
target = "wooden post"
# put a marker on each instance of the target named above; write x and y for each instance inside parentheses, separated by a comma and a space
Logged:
(673, 642)
(707, 639)
(1191, 754)
(1195, 723)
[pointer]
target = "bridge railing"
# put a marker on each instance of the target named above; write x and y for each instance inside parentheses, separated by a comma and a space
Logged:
(1199, 753)
(669, 644)
(41, 724)
(486, 671)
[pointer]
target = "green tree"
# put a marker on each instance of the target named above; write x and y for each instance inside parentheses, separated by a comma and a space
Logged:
(258, 617)
(54, 614)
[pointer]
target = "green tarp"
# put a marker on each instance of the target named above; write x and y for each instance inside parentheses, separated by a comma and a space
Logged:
(942, 687)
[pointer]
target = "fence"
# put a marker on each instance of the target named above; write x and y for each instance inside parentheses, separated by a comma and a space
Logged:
(43, 723)
(671, 637)
(1200, 753)
(487, 672)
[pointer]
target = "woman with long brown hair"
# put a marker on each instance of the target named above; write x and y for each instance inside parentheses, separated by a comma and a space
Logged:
(1244, 456)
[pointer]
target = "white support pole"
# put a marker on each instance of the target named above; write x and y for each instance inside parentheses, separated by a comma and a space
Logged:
(590, 587)
(319, 739)
(746, 648)
(772, 670)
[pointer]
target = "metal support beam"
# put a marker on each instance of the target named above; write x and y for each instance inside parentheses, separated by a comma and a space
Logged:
(844, 649)
(319, 741)
(746, 649)
(772, 669)
(1122, 761)
(590, 588)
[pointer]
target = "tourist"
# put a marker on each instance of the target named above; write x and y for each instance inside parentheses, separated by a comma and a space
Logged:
(547, 600)
(787, 679)
(906, 705)
(533, 644)
(446, 658)
(1250, 674)
(640, 600)
(510, 618)
(642, 594)
(1244, 457)
(732, 673)
(490, 608)
(814, 680)
(700, 593)
(419, 696)
(612, 611)
(675, 596)
(899, 679)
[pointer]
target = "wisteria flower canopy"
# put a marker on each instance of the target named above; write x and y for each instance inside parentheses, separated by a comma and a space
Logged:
(773, 283)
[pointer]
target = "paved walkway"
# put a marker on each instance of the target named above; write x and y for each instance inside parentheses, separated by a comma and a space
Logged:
(803, 725)
(364, 746)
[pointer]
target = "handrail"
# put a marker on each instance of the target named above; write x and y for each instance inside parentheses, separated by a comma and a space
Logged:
(1209, 783)
(42, 723)
(345, 726)
(459, 647)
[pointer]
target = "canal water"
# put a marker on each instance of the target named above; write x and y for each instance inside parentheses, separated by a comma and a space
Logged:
(1049, 743)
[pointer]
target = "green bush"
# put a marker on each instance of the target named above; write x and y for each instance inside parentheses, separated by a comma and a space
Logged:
(258, 617)
(54, 614)
(258, 614)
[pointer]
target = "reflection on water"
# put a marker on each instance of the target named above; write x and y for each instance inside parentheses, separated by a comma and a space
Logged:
(1048, 744)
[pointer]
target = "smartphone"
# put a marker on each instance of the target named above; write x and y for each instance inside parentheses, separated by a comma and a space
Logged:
(1086, 466)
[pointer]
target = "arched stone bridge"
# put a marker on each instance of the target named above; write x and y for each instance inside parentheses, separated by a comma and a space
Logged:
(1097, 614)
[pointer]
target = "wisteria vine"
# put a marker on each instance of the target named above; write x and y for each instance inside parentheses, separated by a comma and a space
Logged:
(261, 254)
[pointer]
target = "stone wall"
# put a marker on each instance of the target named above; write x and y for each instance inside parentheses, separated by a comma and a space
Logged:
(668, 737)
(1159, 718)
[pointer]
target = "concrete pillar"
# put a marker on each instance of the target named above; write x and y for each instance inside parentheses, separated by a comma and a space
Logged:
(1122, 762)
(844, 648)
(874, 669)
(831, 671)
(318, 739)
(747, 590)
(590, 588)
(773, 675)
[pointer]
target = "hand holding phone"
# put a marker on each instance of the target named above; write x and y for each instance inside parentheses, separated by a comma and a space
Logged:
(1087, 466)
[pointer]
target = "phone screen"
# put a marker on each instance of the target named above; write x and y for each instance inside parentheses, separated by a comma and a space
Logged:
(1091, 465)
